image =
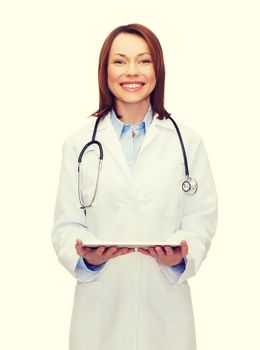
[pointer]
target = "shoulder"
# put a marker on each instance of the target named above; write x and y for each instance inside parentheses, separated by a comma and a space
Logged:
(189, 135)
(193, 142)
(79, 137)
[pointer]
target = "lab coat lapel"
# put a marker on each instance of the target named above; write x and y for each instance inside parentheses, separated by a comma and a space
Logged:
(109, 139)
(150, 134)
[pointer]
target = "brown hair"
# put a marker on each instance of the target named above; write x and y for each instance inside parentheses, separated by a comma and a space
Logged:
(106, 98)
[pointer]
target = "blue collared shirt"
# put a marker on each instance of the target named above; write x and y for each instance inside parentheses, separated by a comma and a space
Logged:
(131, 147)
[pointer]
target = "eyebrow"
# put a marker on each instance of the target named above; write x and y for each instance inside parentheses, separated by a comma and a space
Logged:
(140, 54)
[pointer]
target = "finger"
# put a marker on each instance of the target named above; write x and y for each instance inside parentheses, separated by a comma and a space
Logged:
(109, 252)
(78, 243)
(159, 251)
(122, 251)
(144, 251)
(184, 248)
(153, 252)
(78, 250)
(83, 250)
(177, 250)
(168, 251)
(100, 250)
(125, 250)
(118, 253)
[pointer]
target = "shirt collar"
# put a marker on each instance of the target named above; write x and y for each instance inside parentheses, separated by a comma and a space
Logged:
(119, 125)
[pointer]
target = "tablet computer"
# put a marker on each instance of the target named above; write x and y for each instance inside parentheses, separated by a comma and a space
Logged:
(128, 244)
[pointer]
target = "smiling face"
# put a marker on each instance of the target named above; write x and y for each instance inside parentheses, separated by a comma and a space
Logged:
(131, 75)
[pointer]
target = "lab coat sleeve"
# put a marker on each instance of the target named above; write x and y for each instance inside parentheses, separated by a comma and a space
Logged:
(199, 217)
(69, 220)
(173, 273)
(83, 273)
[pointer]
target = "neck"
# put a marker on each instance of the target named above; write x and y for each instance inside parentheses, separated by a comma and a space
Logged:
(132, 112)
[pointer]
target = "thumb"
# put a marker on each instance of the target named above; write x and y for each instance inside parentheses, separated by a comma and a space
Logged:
(184, 248)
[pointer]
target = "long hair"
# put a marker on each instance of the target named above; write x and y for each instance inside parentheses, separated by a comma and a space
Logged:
(106, 98)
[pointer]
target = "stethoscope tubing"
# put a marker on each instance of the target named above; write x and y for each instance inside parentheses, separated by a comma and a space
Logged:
(189, 185)
(186, 167)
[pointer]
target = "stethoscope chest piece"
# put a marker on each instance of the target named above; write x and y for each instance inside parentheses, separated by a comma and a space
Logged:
(190, 186)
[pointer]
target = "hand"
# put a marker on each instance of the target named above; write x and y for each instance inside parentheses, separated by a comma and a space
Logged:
(167, 255)
(97, 256)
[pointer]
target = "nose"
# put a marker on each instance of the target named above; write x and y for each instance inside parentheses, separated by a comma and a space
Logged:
(132, 69)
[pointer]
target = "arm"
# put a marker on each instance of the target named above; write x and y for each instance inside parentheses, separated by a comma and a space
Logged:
(171, 261)
(199, 217)
(180, 267)
(85, 271)
(69, 219)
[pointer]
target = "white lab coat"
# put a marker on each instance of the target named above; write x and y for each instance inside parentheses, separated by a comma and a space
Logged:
(134, 303)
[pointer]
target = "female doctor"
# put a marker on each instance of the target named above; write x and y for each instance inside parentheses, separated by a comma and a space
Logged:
(126, 298)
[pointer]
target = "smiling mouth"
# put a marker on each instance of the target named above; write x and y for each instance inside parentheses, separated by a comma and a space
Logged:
(132, 86)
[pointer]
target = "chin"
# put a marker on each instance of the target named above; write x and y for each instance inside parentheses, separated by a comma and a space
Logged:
(133, 99)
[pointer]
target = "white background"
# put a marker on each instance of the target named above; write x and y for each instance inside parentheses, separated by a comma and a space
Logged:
(49, 85)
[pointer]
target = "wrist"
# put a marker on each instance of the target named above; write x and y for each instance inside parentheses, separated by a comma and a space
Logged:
(87, 263)
(181, 262)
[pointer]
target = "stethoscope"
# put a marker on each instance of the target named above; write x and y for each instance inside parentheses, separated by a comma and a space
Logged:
(189, 185)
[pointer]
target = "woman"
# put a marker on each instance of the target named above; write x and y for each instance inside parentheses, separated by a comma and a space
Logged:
(125, 298)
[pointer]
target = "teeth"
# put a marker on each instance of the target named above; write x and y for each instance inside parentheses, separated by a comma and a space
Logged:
(131, 86)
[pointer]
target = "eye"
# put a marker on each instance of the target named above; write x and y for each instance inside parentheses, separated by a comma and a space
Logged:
(146, 60)
(118, 61)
